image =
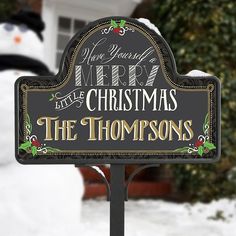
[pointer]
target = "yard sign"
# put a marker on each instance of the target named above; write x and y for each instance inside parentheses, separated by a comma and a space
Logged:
(117, 99)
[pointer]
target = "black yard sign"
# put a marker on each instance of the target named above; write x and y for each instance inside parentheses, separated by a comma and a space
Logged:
(117, 99)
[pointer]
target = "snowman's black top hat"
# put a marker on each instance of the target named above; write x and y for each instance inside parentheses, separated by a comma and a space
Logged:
(29, 18)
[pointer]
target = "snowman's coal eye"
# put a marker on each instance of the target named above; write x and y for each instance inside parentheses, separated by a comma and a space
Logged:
(8, 27)
(23, 28)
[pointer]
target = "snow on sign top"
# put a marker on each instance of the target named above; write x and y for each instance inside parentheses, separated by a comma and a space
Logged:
(117, 99)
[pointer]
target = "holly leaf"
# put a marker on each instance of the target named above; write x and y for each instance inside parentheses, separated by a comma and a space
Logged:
(209, 145)
(25, 145)
(34, 150)
(200, 150)
(114, 24)
(122, 23)
(51, 98)
(51, 149)
(182, 149)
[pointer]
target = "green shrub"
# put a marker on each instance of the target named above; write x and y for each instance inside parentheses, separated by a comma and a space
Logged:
(202, 35)
(7, 8)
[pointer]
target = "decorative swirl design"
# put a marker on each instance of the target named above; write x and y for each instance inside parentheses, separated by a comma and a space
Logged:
(203, 144)
(122, 31)
(32, 138)
(79, 100)
(27, 127)
(203, 138)
(57, 95)
(107, 30)
(192, 149)
(41, 148)
(206, 128)
(77, 106)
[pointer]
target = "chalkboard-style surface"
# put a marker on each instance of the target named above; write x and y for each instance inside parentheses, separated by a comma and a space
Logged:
(117, 99)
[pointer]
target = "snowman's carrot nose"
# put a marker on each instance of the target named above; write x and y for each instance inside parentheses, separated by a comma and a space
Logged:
(17, 39)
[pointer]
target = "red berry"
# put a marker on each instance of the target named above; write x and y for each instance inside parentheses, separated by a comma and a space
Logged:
(36, 143)
(206, 150)
(116, 30)
(198, 143)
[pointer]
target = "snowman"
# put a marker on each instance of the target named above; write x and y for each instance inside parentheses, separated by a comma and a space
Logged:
(34, 199)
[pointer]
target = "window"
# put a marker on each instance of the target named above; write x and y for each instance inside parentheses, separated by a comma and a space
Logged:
(67, 27)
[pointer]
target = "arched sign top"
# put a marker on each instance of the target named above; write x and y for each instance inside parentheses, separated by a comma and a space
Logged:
(117, 99)
(102, 28)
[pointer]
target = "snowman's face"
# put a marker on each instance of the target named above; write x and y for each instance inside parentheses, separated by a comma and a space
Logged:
(20, 40)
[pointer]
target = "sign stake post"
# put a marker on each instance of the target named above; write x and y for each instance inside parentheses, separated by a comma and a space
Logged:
(117, 200)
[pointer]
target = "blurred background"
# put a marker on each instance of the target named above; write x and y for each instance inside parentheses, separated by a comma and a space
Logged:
(202, 35)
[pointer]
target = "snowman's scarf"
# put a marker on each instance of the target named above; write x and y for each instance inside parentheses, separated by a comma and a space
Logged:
(8, 62)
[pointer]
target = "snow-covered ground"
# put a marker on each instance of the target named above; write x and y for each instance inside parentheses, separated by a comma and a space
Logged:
(143, 217)
(159, 218)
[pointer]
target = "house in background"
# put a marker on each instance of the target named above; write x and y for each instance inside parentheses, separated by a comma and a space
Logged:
(64, 18)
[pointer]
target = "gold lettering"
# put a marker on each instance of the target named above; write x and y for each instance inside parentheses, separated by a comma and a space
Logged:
(143, 125)
(163, 129)
(48, 120)
(177, 129)
(101, 128)
(153, 125)
(115, 130)
(187, 125)
(91, 122)
(126, 127)
(61, 128)
(70, 125)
